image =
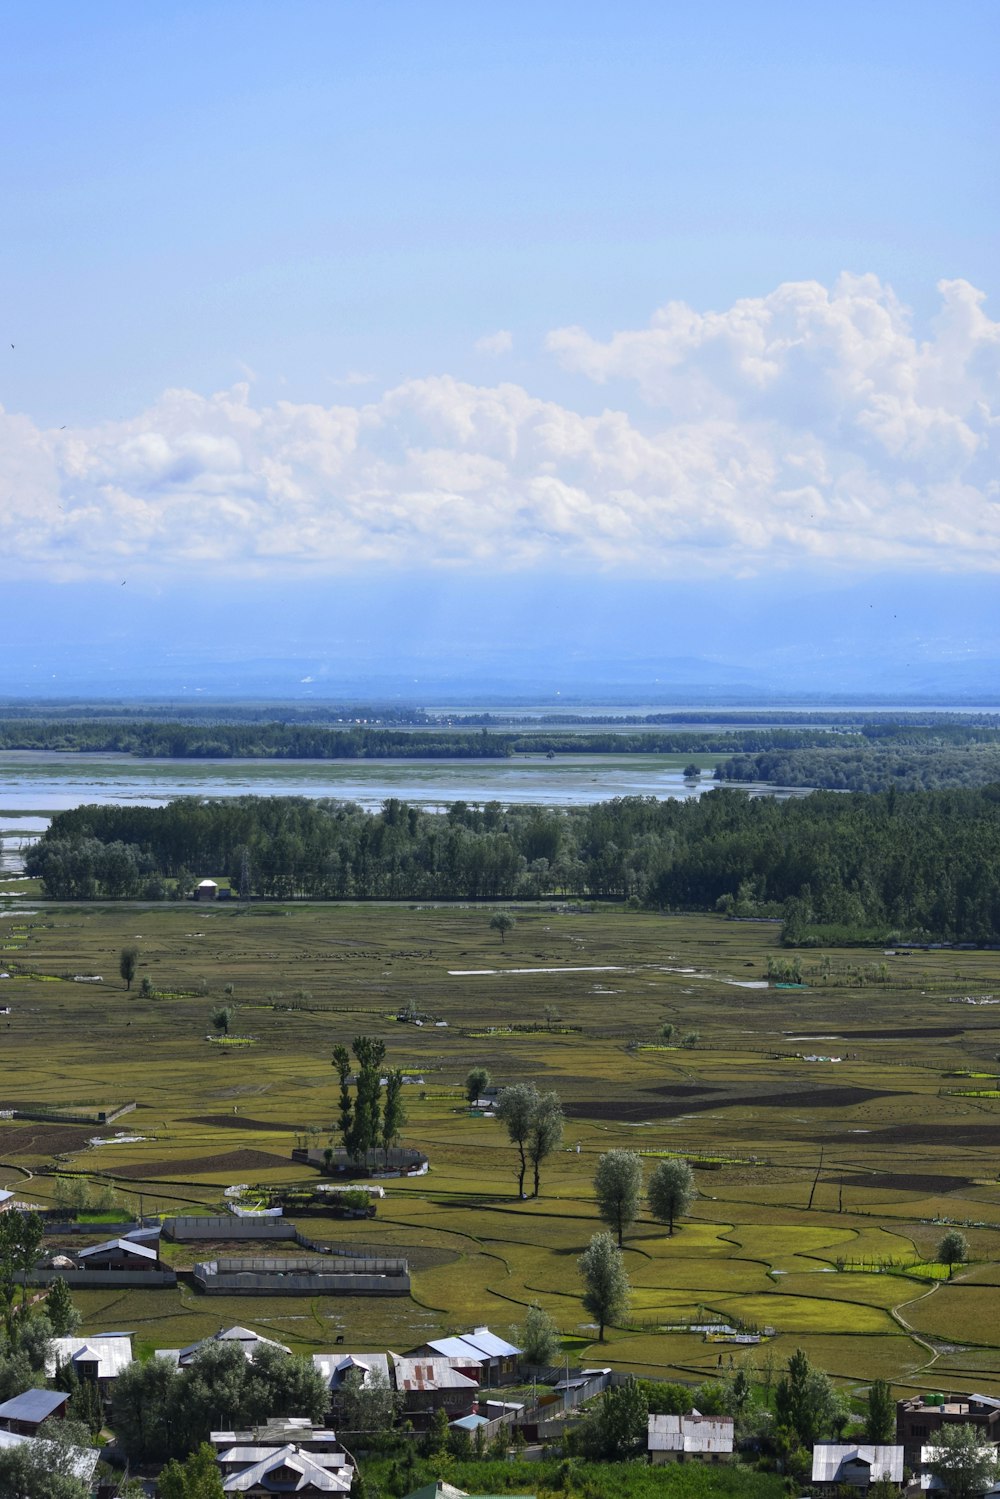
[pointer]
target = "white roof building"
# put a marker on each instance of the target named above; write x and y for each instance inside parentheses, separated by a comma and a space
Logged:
(110, 1351)
(336, 1367)
(858, 1465)
(690, 1435)
(247, 1339)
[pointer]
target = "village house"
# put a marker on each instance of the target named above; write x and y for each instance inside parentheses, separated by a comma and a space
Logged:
(25, 1413)
(672, 1439)
(100, 1358)
(359, 1368)
(495, 1359)
(83, 1460)
(837, 1463)
(245, 1337)
(285, 1455)
(118, 1254)
(429, 1384)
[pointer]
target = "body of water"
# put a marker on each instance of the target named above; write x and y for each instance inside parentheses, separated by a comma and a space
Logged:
(34, 785)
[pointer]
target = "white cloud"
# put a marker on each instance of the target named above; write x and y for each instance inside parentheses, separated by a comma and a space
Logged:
(500, 342)
(810, 425)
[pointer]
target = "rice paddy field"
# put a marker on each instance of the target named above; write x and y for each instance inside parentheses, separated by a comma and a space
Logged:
(836, 1129)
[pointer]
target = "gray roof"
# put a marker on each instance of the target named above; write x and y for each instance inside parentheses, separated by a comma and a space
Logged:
(33, 1405)
(694, 1433)
(336, 1367)
(83, 1459)
(833, 1461)
(129, 1246)
(112, 1352)
(326, 1480)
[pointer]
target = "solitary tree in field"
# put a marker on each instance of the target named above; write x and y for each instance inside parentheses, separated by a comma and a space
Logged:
(618, 1188)
(222, 1019)
(545, 1132)
(671, 1191)
(503, 922)
(128, 962)
(476, 1083)
(516, 1108)
(605, 1284)
(953, 1250)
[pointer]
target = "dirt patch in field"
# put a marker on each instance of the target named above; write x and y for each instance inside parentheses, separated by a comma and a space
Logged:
(239, 1121)
(903, 1181)
(43, 1139)
(232, 1163)
(684, 1098)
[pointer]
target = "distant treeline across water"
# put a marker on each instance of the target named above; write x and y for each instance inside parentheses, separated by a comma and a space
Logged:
(920, 866)
(874, 755)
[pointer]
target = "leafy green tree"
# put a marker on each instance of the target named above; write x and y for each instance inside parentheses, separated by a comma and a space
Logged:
(476, 1083)
(671, 1191)
(605, 1283)
(691, 1040)
(368, 1402)
(965, 1460)
(516, 1109)
(393, 1112)
(539, 1337)
(620, 1421)
(880, 1417)
(198, 1478)
(20, 1245)
(222, 1018)
(953, 1250)
(618, 1189)
(545, 1132)
(806, 1402)
(503, 922)
(342, 1062)
(667, 1032)
(143, 1404)
(60, 1310)
(46, 1468)
(128, 962)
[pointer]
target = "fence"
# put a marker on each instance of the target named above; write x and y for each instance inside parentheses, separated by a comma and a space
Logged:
(95, 1278)
(298, 1275)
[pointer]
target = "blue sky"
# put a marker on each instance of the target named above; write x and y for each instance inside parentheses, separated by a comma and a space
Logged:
(697, 293)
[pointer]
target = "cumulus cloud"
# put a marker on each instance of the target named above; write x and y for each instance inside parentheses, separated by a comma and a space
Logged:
(812, 425)
(495, 343)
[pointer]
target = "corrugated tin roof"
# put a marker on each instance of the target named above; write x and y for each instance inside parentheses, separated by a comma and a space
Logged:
(711, 1434)
(493, 1346)
(128, 1245)
(430, 1374)
(111, 1351)
(32, 1405)
(312, 1473)
(832, 1459)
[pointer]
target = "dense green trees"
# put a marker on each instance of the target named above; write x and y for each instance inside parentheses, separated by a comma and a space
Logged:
(366, 1122)
(922, 865)
(160, 1411)
(965, 1460)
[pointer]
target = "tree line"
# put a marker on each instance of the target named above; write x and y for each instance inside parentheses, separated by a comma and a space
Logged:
(903, 865)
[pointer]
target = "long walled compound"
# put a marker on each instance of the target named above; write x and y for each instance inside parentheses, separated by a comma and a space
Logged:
(303, 1274)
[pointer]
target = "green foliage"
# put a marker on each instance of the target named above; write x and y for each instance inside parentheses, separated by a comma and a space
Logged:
(476, 1083)
(516, 1108)
(953, 1250)
(539, 1337)
(595, 1480)
(368, 1403)
(618, 1189)
(128, 961)
(197, 1478)
(665, 1399)
(880, 1417)
(60, 1310)
(671, 1191)
(20, 1245)
(614, 1431)
(965, 1460)
(222, 1018)
(806, 1402)
(44, 1469)
(503, 922)
(159, 1411)
(605, 1283)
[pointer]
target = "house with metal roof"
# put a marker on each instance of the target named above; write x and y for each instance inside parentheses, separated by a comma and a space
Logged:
(836, 1463)
(286, 1470)
(100, 1358)
(675, 1438)
(26, 1412)
(83, 1460)
(429, 1383)
(245, 1337)
(361, 1368)
(495, 1357)
(919, 1418)
(118, 1254)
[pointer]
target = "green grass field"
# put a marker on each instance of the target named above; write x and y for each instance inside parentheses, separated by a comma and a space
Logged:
(834, 1177)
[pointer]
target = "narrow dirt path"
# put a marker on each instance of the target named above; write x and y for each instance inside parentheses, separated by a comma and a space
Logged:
(896, 1313)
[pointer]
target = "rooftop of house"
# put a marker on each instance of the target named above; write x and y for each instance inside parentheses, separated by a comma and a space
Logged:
(33, 1405)
(833, 1461)
(311, 1473)
(129, 1246)
(424, 1373)
(111, 1351)
(245, 1337)
(83, 1459)
(693, 1433)
(336, 1367)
